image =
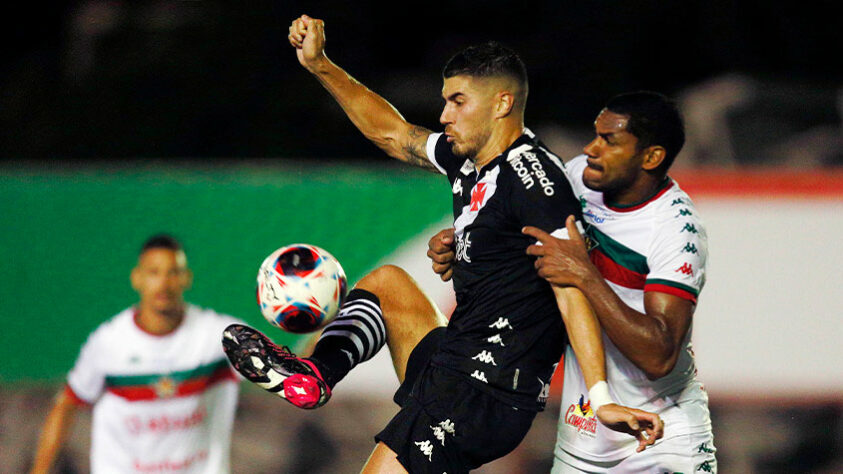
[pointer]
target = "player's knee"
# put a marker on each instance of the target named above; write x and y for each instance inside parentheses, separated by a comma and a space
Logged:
(384, 279)
(397, 291)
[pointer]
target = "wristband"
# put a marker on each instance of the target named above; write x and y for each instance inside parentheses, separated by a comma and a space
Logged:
(598, 395)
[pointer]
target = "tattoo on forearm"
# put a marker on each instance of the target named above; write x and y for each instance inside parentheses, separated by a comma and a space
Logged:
(414, 152)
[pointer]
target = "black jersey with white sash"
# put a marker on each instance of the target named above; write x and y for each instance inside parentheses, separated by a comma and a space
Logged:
(506, 332)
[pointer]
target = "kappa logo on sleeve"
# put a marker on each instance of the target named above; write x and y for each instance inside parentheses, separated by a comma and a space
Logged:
(686, 269)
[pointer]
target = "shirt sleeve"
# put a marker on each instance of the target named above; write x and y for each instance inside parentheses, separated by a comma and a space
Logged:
(86, 379)
(439, 153)
(432, 142)
(678, 255)
(573, 171)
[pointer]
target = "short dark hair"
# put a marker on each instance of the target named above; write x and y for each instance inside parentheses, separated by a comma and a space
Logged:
(161, 241)
(488, 59)
(654, 119)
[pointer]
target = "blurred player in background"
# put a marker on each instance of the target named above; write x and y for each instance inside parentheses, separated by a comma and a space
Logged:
(642, 277)
(471, 389)
(162, 391)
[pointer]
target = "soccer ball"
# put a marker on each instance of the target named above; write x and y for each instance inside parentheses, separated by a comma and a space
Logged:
(300, 288)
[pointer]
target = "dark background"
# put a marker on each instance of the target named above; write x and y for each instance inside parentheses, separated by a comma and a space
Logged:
(105, 80)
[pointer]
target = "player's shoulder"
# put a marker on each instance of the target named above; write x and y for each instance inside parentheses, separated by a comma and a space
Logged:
(576, 165)
(678, 223)
(112, 328)
(534, 169)
(439, 153)
(675, 208)
(117, 322)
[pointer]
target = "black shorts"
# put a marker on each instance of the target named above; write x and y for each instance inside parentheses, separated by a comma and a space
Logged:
(445, 423)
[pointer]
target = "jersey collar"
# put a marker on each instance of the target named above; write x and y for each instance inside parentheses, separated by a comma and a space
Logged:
(527, 136)
(663, 188)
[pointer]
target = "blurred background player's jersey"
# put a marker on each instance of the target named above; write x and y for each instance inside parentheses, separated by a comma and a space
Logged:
(163, 403)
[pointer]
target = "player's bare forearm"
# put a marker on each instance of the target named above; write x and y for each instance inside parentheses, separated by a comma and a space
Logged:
(53, 434)
(375, 117)
(414, 150)
(649, 340)
(583, 333)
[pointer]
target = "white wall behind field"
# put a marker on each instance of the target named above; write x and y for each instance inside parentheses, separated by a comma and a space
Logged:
(768, 324)
(769, 318)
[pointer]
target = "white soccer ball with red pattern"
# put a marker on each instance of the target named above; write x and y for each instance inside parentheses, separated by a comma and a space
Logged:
(300, 288)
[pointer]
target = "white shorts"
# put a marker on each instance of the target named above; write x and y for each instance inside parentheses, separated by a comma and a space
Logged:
(689, 454)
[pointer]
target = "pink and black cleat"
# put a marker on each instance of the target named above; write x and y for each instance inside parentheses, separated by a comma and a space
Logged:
(273, 368)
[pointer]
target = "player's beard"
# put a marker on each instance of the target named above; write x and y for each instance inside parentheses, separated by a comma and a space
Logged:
(471, 145)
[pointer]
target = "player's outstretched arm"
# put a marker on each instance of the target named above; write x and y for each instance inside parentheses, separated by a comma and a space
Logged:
(54, 433)
(376, 118)
(584, 335)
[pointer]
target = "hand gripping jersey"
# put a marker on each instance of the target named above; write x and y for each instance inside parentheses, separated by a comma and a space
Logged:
(506, 332)
(160, 403)
(657, 245)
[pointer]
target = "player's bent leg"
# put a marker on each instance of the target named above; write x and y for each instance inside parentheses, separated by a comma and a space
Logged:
(408, 312)
(274, 368)
(383, 460)
(385, 307)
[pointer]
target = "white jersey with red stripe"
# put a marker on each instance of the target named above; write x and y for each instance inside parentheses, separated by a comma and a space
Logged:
(657, 245)
(161, 403)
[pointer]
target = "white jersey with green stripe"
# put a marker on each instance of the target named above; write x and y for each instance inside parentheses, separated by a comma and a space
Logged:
(658, 245)
(161, 403)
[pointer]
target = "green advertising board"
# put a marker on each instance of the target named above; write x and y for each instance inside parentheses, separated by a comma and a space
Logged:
(69, 237)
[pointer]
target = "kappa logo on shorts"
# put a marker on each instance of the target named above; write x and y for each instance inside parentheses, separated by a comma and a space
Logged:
(444, 427)
(704, 449)
(705, 467)
(426, 447)
(485, 357)
(496, 339)
(481, 376)
(500, 324)
(545, 391)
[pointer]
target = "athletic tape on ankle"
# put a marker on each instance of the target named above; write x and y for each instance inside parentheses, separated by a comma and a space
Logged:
(598, 395)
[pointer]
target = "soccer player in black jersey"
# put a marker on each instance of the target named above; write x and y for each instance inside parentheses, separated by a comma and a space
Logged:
(471, 386)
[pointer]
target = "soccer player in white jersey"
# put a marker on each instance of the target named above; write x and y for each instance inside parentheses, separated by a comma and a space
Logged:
(643, 274)
(162, 391)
